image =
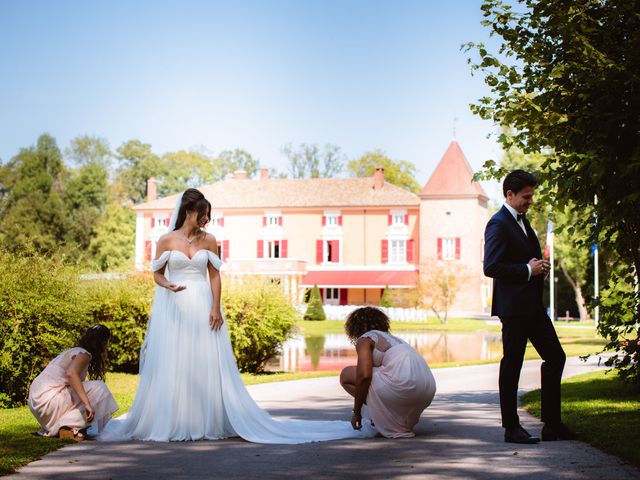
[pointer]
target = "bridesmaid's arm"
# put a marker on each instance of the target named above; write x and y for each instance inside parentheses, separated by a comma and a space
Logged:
(77, 366)
(215, 317)
(364, 371)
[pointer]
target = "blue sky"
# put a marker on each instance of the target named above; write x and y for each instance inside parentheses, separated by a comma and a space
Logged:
(256, 75)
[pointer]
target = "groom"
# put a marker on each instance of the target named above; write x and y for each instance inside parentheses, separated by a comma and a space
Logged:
(512, 257)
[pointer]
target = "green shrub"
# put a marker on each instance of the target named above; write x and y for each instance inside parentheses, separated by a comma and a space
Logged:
(42, 313)
(124, 307)
(314, 307)
(386, 300)
(259, 318)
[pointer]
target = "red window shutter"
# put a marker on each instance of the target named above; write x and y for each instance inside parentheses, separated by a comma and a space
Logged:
(319, 247)
(340, 220)
(324, 220)
(385, 251)
(284, 249)
(147, 250)
(335, 251)
(439, 248)
(343, 296)
(225, 249)
(260, 249)
(264, 221)
(153, 222)
(221, 221)
(322, 295)
(457, 248)
(406, 219)
(280, 220)
(410, 250)
(390, 219)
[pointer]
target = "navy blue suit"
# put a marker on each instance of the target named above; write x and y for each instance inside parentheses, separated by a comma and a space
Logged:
(517, 300)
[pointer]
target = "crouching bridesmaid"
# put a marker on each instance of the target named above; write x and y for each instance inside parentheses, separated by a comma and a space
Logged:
(391, 384)
(62, 401)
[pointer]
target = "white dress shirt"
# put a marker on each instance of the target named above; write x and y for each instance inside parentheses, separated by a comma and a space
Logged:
(514, 213)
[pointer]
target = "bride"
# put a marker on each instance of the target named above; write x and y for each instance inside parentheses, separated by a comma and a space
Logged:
(190, 387)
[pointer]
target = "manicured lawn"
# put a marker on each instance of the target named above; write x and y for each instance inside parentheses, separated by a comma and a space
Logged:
(604, 411)
(310, 328)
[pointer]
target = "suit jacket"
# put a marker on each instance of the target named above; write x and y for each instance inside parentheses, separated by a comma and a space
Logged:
(507, 250)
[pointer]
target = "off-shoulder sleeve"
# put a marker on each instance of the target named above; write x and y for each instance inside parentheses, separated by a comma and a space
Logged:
(158, 263)
(215, 260)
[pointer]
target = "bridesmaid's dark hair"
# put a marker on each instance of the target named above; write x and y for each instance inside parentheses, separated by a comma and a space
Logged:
(192, 201)
(363, 319)
(95, 341)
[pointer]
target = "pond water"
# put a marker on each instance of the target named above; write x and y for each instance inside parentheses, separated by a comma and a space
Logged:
(333, 352)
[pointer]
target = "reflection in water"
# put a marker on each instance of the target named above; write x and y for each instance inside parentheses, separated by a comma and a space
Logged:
(333, 352)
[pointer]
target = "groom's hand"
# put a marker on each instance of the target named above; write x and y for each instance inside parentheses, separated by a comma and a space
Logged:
(538, 267)
(215, 319)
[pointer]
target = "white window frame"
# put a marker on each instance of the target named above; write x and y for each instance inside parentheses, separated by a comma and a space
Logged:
(270, 248)
(215, 222)
(448, 248)
(397, 250)
(330, 298)
(332, 220)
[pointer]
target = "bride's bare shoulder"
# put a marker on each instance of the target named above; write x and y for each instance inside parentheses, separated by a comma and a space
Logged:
(210, 242)
(166, 241)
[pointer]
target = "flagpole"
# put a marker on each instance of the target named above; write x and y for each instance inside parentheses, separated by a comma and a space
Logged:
(596, 283)
(552, 281)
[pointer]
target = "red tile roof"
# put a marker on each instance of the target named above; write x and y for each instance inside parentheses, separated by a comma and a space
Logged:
(296, 193)
(453, 177)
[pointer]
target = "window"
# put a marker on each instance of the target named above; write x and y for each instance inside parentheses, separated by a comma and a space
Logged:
(217, 222)
(398, 253)
(449, 248)
(332, 251)
(332, 296)
(273, 249)
(273, 220)
(397, 219)
(332, 220)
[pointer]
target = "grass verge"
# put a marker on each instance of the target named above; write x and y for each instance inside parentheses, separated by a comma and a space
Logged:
(602, 409)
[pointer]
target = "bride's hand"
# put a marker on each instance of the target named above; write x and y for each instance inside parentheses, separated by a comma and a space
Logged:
(215, 319)
(356, 421)
(175, 288)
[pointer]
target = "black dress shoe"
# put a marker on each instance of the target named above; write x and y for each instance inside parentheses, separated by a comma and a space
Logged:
(519, 435)
(558, 431)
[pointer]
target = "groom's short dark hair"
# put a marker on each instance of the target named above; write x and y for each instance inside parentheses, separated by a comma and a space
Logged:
(517, 180)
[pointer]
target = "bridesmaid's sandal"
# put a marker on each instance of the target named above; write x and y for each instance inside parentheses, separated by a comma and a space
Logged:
(66, 433)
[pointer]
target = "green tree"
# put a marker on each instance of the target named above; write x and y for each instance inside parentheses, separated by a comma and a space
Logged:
(231, 160)
(85, 197)
(85, 149)
(315, 311)
(566, 80)
(386, 300)
(397, 172)
(138, 163)
(183, 169)
(439, 285)
(114, 238)
(309, 161)
(32, 209)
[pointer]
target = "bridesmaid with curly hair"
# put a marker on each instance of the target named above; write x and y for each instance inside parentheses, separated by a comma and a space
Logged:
(391, 384)
(62, 401)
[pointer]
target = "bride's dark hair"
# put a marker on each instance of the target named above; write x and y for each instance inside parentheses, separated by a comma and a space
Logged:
(192, 201)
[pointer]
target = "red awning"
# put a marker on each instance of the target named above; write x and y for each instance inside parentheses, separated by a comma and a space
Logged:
(361, 278)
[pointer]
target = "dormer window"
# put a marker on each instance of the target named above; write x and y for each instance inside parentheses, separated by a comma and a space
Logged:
(331, 219)
(398, 217)
(272, 220)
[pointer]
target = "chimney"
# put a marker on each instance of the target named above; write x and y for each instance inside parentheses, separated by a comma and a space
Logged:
(151, 189)
(264, 173)
(239, 175)
(378, 178)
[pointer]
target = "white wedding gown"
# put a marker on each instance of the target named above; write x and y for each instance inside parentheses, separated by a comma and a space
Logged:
(190, 387)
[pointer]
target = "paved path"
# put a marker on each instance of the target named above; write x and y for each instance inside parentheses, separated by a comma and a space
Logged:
(459, 437)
